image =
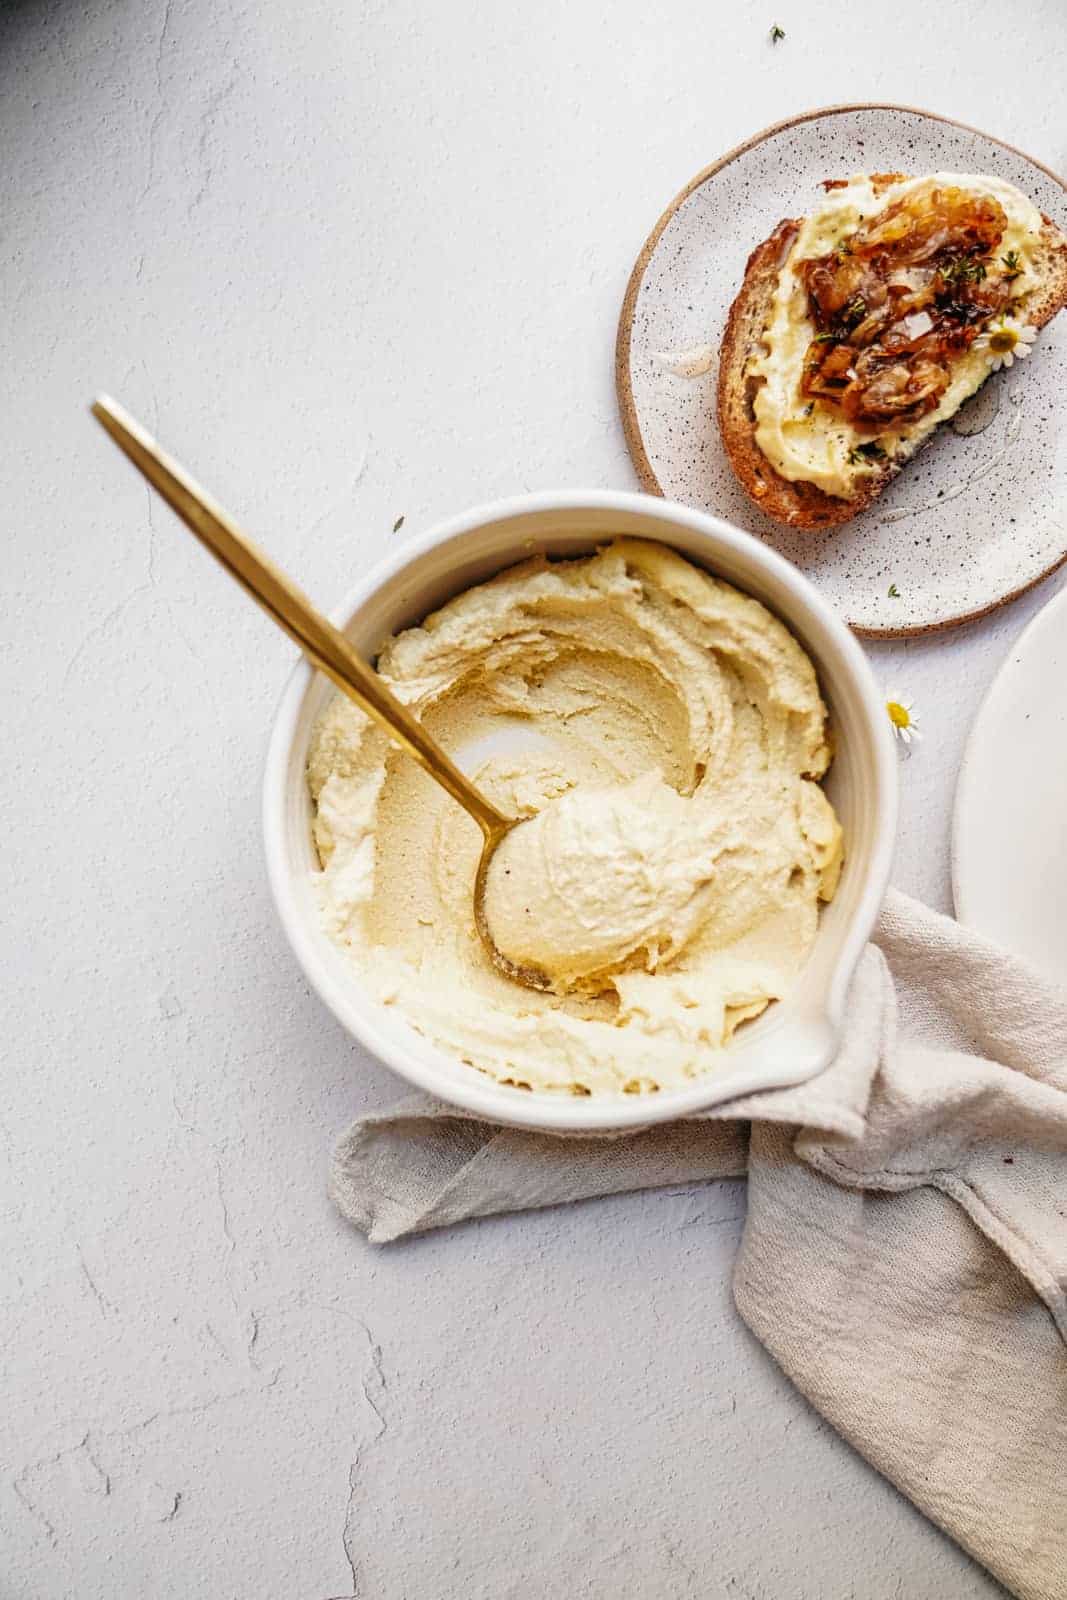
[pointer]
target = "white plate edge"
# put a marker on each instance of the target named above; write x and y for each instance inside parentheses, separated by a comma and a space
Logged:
(1010, 666)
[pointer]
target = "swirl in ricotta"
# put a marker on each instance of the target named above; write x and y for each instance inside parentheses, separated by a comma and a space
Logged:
(667, 734)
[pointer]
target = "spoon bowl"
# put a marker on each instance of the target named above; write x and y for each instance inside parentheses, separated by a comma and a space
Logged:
(529, 977)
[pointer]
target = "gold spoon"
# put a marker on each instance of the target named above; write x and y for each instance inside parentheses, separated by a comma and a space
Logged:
(323, 644)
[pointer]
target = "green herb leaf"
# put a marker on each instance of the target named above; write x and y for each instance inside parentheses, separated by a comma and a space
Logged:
(854, 312)
(777, 33)
(1012, 264)
(965, 270)
(865, 453)
(398, 524)
(894, 592)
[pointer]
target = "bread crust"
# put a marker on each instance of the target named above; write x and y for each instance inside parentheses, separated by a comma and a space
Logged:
(797, 504)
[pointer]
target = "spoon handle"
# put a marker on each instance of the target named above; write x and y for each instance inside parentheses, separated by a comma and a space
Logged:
(280, 598)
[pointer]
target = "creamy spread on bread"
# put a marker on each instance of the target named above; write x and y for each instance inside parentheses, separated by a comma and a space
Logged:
(670, 731)
(807, 430)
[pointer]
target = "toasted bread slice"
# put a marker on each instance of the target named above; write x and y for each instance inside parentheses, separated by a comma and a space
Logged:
(798, 503)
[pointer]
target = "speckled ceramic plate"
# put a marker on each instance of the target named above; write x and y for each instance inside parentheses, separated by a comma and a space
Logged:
(981, 513)
(1011, 787)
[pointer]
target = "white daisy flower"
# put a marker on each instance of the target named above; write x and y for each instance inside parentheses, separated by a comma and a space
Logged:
(901, 714)
(1005, 339)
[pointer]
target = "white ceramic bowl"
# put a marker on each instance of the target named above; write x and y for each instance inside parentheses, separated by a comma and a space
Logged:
(794, 1038)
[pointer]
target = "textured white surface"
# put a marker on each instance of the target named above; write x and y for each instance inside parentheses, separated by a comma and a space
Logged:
(359, 262)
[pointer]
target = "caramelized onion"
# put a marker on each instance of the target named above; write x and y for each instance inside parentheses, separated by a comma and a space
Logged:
(895, 303)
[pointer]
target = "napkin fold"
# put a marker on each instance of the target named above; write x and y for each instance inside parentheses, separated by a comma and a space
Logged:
(904, 1257)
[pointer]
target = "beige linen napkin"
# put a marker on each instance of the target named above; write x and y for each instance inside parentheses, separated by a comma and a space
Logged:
(905, 1252)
